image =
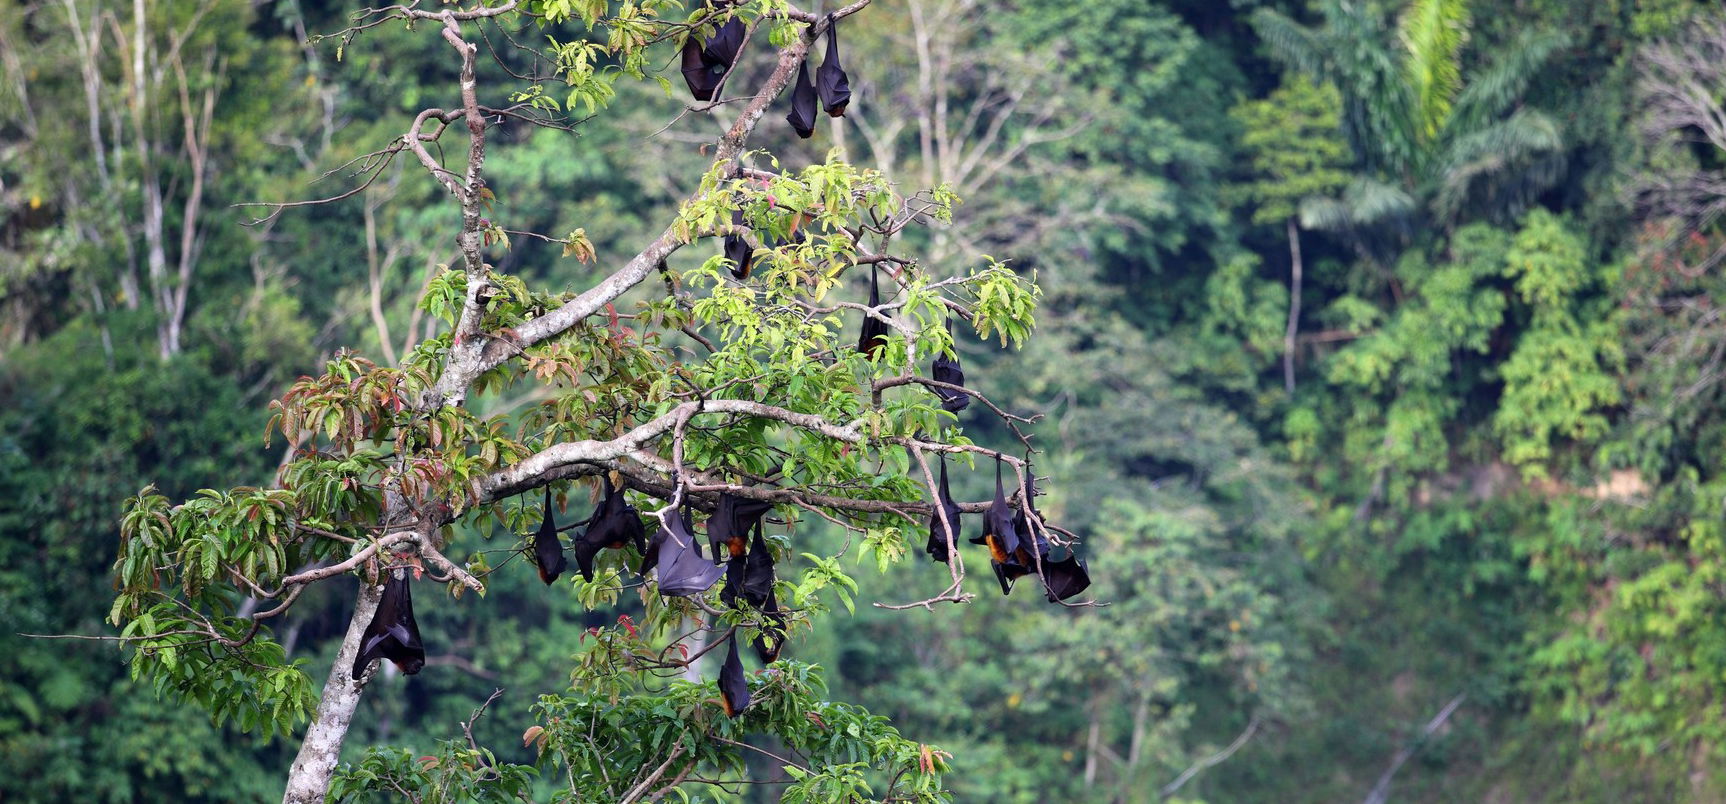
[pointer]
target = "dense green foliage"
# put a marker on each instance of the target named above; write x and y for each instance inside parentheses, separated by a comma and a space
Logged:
(1494, 475)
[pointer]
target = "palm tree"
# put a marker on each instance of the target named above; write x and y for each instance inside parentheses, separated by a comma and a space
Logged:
(1429, 140)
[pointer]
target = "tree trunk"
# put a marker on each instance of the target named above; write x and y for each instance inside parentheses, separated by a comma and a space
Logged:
(309, 779)
(1294, 306)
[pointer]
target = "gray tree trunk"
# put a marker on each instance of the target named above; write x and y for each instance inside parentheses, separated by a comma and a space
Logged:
(309, 779)
(1294, 306)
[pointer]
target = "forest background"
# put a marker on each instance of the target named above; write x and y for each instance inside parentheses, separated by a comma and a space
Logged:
(1380, 360)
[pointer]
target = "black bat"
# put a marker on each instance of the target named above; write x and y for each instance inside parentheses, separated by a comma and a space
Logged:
(758, 571)
(547, 549)
(729, 526)
(771, 639)
(874, 336)
(947, 370)
(706, 63)
(676, 555)
(737, 250)
(1030, 539)
(802, 114)
(1001, 534)
(938, 533)
(734, 568)
(733, 688)
(614, 523)
(1065, 577)
(392, 634)
(830, 80)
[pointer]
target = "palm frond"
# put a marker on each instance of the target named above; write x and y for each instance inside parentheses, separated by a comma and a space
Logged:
(1299, 46)
(1501, 166)
(1494, 89)
(1432, 33)
(1364, 203)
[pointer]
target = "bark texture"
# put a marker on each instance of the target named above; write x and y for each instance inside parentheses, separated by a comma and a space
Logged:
(309, 779)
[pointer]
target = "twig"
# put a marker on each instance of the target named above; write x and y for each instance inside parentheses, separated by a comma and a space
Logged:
(1381, 791)
(1212, 760)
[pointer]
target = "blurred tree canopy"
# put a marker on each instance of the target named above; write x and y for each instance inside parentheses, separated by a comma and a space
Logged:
(1378, 360)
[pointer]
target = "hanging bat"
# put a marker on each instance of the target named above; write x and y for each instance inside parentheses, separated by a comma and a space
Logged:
(1065, 577)
(737, 250)
(938, 533)
(1030, 540)
(874, 336)
(614, 523)
(758, 571)
(802, 114)
(392, 633)
(732, 589)
(706, 63)
(1001, 535)
(547, 550)
(728, 528)
(676, 556)
(998, 531)
(946, 369)
(771, 638)
(733, 688)
(830, 80)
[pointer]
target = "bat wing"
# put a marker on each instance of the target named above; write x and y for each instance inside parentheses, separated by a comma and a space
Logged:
(830, 81)
(803, 104)
(874, 335)
(937, 547)
(1066, 577)
(682, 570)
(771, 638)
(721, 51)
(758, 571)
(734, 572)
(547, 549)
(392, 634)
(733, 687)
(695, 71)
(737, 250)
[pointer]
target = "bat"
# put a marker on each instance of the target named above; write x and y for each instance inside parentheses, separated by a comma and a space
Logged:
(771, 638)
(802, 114)
(676, 556)
(757, 588)
(729, 526)
(392, 634)
(733, 688)
(1065, 577)
(874, 337)
(706, 63)
(946, 369)
(938, 534)
(737, 250)
(758, 571)
(614, 523)
(1001, 534)
(1029, 539)
(734, 568)
(830, 80)
(998, 530)
(547, 550)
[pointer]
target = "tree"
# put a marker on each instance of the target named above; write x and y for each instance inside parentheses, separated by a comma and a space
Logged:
(1291, 138)
(1428, 137)
(710, 386)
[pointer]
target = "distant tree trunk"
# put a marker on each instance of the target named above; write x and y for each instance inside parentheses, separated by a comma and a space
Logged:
(1294, 305)
(309, 779)
(692, 671)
